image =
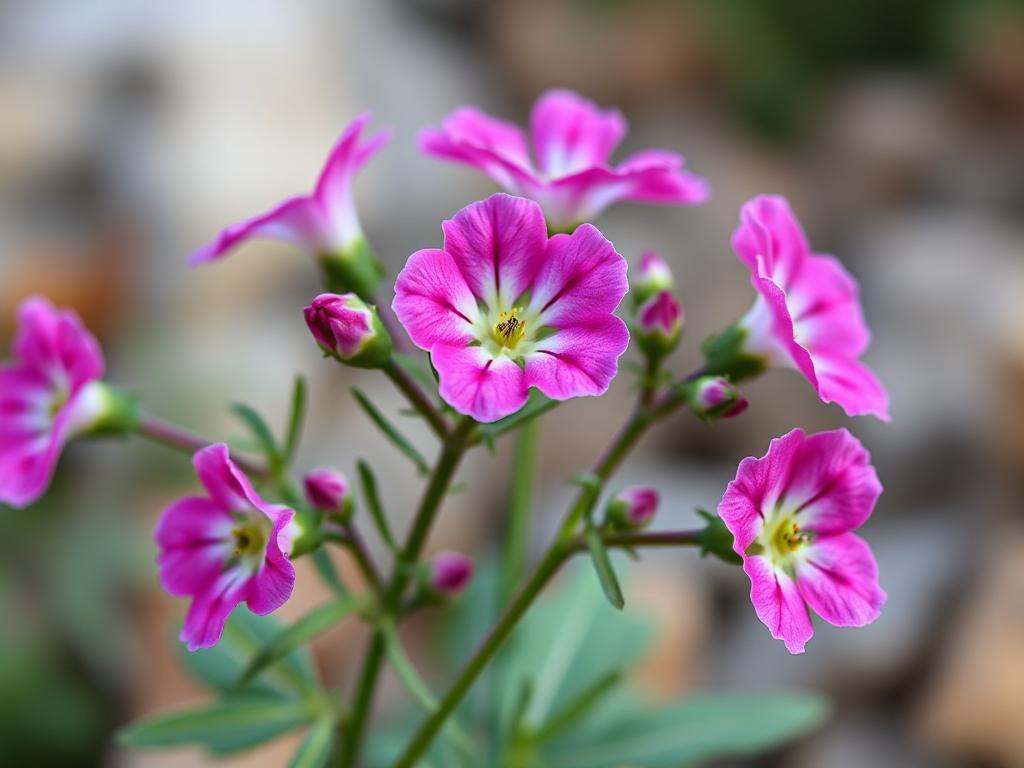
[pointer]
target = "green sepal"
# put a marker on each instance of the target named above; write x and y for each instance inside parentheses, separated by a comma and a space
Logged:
(118, 411)
(717, 540)
(353, 269)
(725, 355)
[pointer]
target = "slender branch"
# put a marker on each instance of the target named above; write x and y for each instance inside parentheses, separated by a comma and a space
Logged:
(179, 439)
(348, 536)
(518, 532)
(417, 398)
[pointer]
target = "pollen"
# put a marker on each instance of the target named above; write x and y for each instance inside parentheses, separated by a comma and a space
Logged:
(509, 329)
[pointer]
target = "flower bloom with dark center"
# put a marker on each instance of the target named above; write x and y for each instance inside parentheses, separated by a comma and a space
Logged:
(224, 548)
(792, 514)
(570, 173)
(503, 307)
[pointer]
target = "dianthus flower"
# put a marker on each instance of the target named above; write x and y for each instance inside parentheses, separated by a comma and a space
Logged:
(792, 514)
(573, 140)
(503, 307)
(224, 548)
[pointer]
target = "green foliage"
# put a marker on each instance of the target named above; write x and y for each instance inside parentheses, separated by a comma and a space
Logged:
(603, 567)
(316, 747)
(400, 441)
(368, 483)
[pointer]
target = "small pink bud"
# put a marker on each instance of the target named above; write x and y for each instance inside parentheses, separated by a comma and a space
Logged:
(347, 328)
(713, 397)
(450, 573)
(659, 324)
(632, 508)
(652, 277)
(326, 490)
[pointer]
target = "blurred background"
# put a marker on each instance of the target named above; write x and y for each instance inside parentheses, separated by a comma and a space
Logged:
(132, 132)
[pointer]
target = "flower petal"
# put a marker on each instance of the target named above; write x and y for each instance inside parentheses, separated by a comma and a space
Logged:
(477, 384)
(432, 300)
(193, 536)
(334, 187)
(823, 302)
(839, 579)
(579, 360)
(831, 483)
(222, 480)
(582, 277)
(498, 244)
(571, 133)
(778, 604)
(271, 587)
(204, 622)
(56, 343)
(769, 229)
(852, 386)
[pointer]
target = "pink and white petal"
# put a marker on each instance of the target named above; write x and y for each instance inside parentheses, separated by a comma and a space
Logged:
(657, 176)
(479, 385)
(204, 622)
(758, 485)
(470, 126)
(26, 474)
(578, 361)
(432, 300)
(771, 331)
(571, 133)
(506, 173)
(778, 604)
(298, 221)
(832, 483)
(769, 229)
(851, 385)
(56, 343)
(498, 245)
(839, 579)
(226, 485)
(271, 587)
(582, 278)
(194, 539)
(823, 301)
(347, 158)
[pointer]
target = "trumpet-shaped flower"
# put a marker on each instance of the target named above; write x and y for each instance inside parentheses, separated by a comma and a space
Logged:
(49, 394)
(792, 514)
(224, 548)
(570, 174)
(503, 308)
(807, 314)
(323, 222)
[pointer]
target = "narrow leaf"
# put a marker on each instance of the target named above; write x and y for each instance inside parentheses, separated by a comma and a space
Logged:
(260, 431)
(603, 566)
(368, 481)
(231, 724)
(391, 432)
(297, 634)
(296, 419)
(535, 407)
(580, 706)
(316, 747)
(325, 567)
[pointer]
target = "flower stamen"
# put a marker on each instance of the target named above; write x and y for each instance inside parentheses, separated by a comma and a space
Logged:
(509, 329)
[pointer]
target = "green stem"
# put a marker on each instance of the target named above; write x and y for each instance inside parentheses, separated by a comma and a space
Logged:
(518, 533)
(417, 398)
(391, 604)
(171, 436)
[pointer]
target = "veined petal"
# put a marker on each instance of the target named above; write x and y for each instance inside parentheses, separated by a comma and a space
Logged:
(433, 301)
(778, 604)
(579, 360)
(658, 176)
(851, 385)
(56, 343)
(498, 245)
(472, 127)
(823, 301)
(193, 536)
(831, 483)
(222, 480)
(508, 174)
(571, 133)
(582, 277)
(272, 585)
(204, 622)
(768, 229)
(477, 384)
(838, 578)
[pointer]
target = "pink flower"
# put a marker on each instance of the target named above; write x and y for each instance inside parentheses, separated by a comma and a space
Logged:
(792, 513)
(807, 315)
(326, 490)
(347, 328)
(503, 308)
(573, 140)
(224, 548)
(323, 222)
(450, 573)
(633, 508)
(49, 394)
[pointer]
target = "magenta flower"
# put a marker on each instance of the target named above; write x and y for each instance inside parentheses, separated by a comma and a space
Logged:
(224, 548)
(49, 394)
(503, 308)
(450, 573)
(326, 490)
(348, 329)
(633, 508)
(807, 315)
(573, 140)
(792, 513)
(323, 222)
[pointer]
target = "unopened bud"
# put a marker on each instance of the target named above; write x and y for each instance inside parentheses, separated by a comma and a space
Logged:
(348, 329)
(658, 325)
(713, 397)
(653, 276)
(632, 508)
(450, 573)
(326, 490)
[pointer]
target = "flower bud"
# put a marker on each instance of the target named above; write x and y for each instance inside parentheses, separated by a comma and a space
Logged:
(652, 277)
(632, 508)
(450, 573)
(348, 329)
(713, 397)
(658, 324)
(326, 490)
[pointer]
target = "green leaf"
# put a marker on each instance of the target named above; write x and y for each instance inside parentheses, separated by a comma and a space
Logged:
(536, 406)
(605, 569)
(231, 724)
(698, 728)
(296, 418)
(244, 634)
(391, 432)
(579, 707)
(295, 636)
(316, 747)
(368, 482)
(260, 431)
(325, 567)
